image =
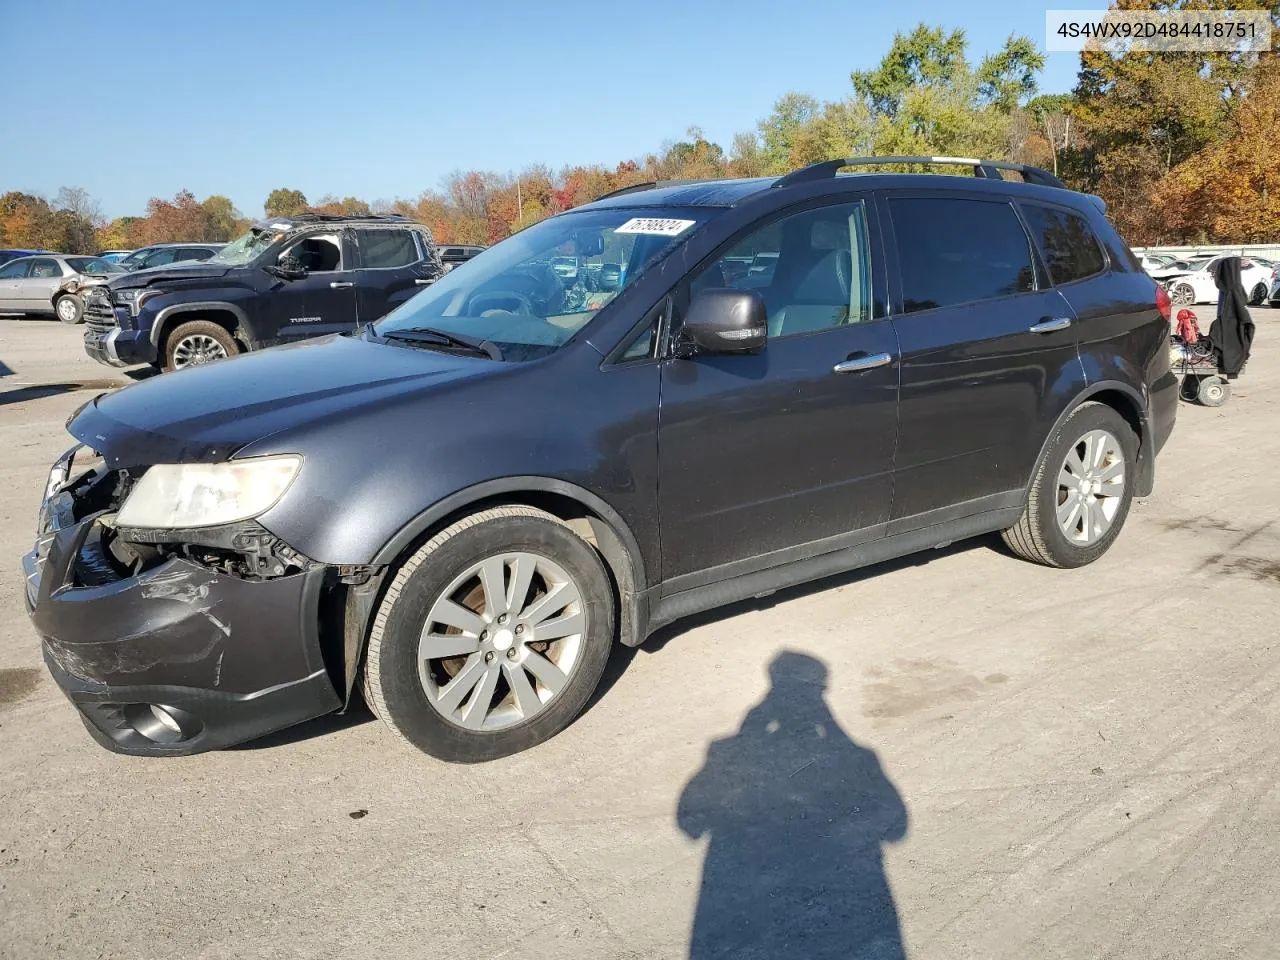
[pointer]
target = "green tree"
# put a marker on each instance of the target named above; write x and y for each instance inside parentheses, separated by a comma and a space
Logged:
(786, 128)
(1008, 79)
(283, 202)
(224, 218)
(926, 57)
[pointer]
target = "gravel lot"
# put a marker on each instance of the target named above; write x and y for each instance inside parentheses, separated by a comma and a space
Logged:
(1016, 762)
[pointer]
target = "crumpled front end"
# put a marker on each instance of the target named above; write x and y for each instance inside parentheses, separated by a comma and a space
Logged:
(172, 642)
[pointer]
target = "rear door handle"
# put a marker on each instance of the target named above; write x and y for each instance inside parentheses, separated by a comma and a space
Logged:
(424, 283)
(340, 284)
(1050, 324)
(868, 361)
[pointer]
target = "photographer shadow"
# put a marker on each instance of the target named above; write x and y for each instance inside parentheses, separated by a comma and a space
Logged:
(797, 814)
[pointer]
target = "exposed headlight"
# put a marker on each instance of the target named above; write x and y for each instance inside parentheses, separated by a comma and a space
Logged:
(135, 297)
(178, 495)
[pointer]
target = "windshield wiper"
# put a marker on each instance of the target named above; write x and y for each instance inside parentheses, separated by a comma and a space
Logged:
(442, 338)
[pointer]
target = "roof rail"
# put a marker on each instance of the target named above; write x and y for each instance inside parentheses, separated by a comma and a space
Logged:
(986, 169)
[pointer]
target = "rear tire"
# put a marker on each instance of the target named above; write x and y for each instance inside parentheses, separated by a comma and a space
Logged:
(198, 342)
(514, 662)
(1080, 492)
(69, 308)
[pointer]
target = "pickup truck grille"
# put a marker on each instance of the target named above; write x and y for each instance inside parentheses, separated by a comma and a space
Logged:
(98, 315)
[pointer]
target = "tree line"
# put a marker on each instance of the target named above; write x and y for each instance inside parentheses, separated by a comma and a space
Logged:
(1183, 147)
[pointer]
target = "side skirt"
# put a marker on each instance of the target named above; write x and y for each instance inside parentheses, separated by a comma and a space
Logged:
(788, 574)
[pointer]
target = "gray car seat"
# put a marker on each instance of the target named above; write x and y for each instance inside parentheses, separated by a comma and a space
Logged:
(820, 299)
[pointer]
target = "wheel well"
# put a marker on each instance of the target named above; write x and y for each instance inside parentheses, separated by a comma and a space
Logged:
(1128, 408)
(1124, 405)
(586, 523)
(362, 602)
(223, 318)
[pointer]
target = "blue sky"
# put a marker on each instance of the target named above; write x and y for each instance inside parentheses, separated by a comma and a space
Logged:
(382, 98)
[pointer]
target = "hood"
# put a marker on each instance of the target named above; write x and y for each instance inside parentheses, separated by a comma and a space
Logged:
(207, 413)
(186, 270)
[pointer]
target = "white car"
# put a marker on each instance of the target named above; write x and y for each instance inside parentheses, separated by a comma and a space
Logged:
(1190, 282)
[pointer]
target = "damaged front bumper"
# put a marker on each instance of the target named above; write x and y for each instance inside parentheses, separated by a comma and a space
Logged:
(180, 657)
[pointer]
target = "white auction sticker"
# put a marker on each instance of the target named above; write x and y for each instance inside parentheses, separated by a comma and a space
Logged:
(656, 226)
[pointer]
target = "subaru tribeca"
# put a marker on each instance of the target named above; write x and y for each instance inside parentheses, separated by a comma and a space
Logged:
(462, 507)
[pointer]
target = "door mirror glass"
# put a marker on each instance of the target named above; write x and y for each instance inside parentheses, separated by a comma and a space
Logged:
(727, 321)
(289, 267)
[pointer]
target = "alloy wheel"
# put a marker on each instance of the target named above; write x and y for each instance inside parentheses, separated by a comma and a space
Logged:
(1090, 487)
(501, 641)
(1183, 294)
(197, 348)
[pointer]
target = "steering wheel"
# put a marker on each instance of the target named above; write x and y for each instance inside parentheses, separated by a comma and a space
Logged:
(498, 297)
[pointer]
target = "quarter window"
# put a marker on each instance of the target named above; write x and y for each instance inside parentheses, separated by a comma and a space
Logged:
(1069, 246)
(954, 251)
(813, 269)
(387, 248)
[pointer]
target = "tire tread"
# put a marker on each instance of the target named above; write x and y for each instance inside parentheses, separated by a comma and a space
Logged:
(371, 685)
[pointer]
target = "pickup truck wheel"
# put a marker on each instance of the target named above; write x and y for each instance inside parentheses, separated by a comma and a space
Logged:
(1081, 491)
(492, 637)
(197, 342)
(69, 308)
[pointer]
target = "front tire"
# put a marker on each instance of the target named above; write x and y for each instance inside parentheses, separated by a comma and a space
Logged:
(197, 342)
(69, 308)
(1081, 490)
(1259, 295)
(492, 637)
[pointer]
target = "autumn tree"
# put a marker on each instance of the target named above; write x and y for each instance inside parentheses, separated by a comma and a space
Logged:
(1230, 190)
(283, 202)
(176, 220)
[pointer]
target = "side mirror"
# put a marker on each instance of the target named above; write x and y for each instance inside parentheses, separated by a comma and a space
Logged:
(289, 267)
(727, 321)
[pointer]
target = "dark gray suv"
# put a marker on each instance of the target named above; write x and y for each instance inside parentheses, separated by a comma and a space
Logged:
(464, 506)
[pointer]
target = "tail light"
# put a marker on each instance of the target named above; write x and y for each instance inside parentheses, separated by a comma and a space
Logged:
(1163, 304)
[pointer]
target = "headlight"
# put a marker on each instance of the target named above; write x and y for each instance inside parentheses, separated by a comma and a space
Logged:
(135, 297)
(177, 495)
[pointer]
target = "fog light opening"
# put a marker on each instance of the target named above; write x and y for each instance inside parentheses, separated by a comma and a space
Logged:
(160, 723)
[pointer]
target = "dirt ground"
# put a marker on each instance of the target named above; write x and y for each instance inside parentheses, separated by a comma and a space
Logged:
(1004, 761)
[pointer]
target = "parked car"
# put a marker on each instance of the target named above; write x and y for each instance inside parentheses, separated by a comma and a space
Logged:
(456, 254)
(1273, 297)
(114, 256)
(7, 255)
(1156, 261)
(462, 507)
(1191, 281)
(162, 254)
(51, 284)
(287, 279)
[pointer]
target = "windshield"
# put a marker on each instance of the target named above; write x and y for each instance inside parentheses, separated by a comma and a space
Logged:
(137, 256)
(533, 291)
(92, 265)
(245, 248)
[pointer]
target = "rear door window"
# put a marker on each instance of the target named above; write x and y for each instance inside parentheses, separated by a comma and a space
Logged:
(953, 251)
(1070, 249)
(15, 270)
(386, 249)
(45, 269)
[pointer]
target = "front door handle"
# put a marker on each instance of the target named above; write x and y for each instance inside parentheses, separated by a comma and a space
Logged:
(340, 284)
(424, 283)
(866, 361)
(1051, 324)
